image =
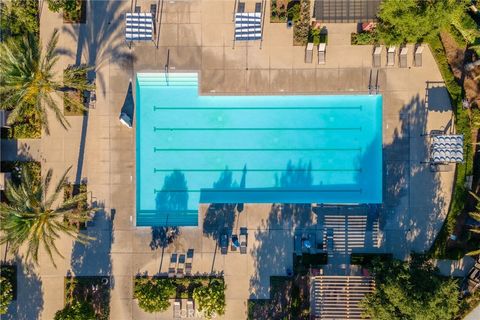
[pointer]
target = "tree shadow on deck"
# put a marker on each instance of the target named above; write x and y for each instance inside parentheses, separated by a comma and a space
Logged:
(99, 41)
(29, 302)
(94, 258)
(220, 217)
(413, 199)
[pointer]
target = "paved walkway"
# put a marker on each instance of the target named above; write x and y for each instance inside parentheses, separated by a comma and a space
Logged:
(198, 35)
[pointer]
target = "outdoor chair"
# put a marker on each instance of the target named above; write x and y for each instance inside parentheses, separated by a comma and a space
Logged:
(322, 52)
(172, 266)
(391, 56)
(258, 7)
(243, 240)
(153, 10)
(190, 309)
(241, 7)
(223, 243)
(177, 309)
(188, 264)
(417, 59)
(309, 53)
(181, 266)
(235, 244)
(138, 9)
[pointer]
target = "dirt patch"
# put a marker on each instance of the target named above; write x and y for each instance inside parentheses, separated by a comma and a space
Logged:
(455, 54)
(457, 57)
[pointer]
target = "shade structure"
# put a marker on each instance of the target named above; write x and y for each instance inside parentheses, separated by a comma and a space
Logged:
(139, 26)
(248, 26)
(446, 148)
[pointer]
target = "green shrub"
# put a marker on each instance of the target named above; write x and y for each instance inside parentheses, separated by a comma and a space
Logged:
(77, 310)
(293, 12)
(29, 127)
(314, 36)
(18, 17)
(411, 290)
(364, 38)
(75, 95)
(153, 294)
(6, 294)
(72, 9)
(211, 299)
(16, 167)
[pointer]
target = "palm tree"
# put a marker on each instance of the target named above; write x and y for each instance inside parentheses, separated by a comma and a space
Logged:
(27, 218)
(475, 215)
(27, 79)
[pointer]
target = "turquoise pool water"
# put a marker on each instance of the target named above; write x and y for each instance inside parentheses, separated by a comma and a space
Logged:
(195, 149)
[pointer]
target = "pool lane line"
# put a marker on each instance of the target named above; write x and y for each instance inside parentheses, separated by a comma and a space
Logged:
(254, 190)
(155, 108)
(258, 129)
(155, 149)
(155, 170)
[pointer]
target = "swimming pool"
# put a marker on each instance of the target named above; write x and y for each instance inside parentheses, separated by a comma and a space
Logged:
(193, 149)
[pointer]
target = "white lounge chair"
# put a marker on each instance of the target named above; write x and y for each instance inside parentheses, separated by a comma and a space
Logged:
(322, 53)
(391, 56)
(309, 53)
(418, 56)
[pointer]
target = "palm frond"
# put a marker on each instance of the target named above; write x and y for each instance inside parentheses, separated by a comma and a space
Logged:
(29, 219)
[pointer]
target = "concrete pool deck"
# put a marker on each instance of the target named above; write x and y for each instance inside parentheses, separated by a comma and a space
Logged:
(197, 35)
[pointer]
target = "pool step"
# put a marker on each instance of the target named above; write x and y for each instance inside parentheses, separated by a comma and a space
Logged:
(167, 79)
(179, 218)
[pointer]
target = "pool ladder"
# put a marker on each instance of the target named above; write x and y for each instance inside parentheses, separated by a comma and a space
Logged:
(373, 89)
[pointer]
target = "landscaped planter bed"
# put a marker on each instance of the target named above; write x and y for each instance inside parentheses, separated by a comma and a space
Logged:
(76, 14)
(153, 294)
(94, 290)
(70, 190)
(15, 168)
(9, 272)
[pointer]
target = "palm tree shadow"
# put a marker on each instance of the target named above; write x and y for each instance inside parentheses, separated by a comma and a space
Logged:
(220, 217)
(172, 197)
(29, 301)
(99, 42)
(94, 258)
